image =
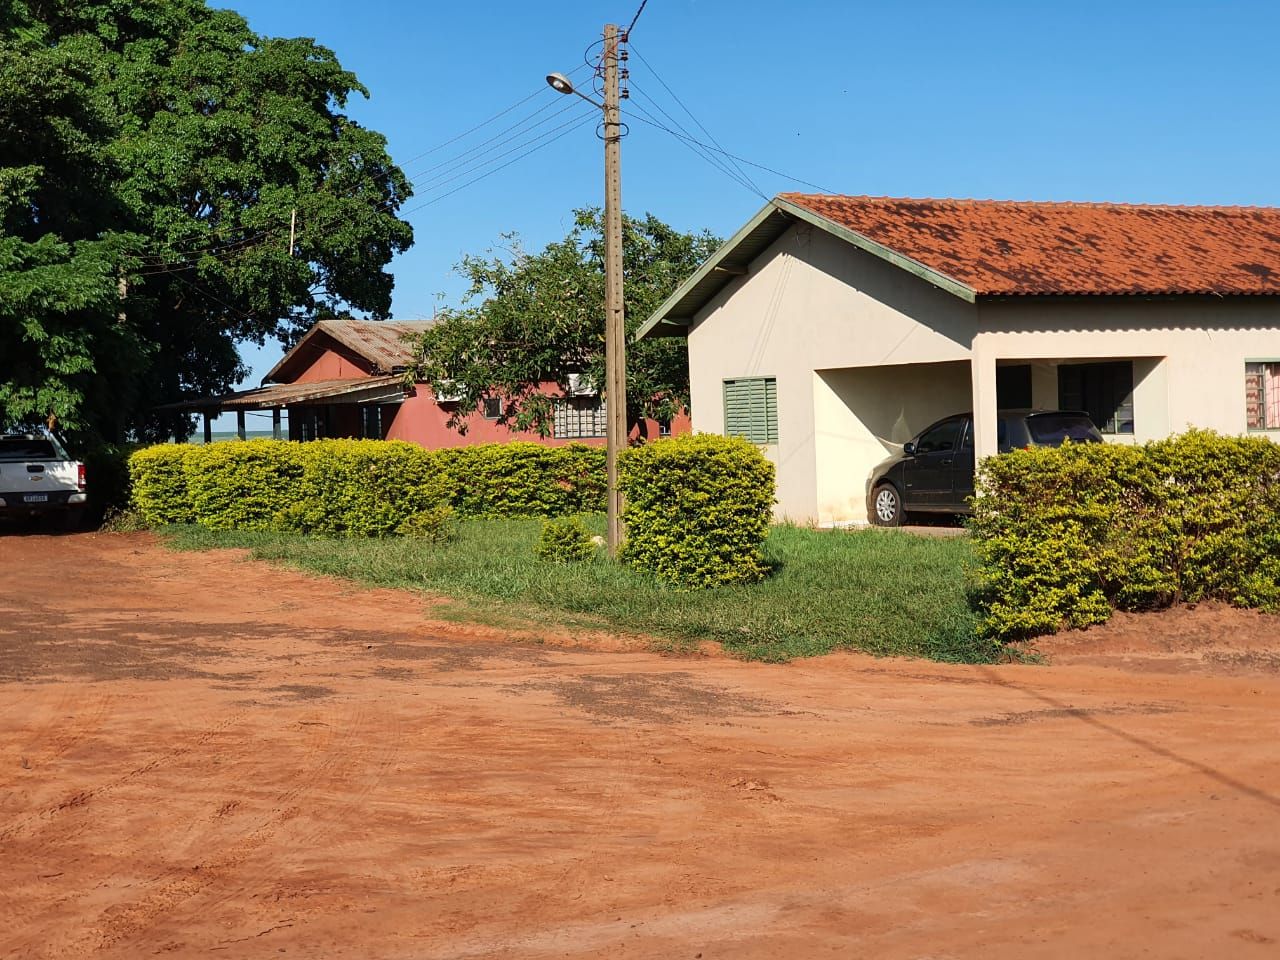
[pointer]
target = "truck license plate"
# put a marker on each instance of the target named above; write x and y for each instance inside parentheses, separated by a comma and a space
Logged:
(35, 498)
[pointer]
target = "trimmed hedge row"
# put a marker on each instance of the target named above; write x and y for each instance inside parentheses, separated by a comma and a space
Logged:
(1065, 536)
(360, 487)
(698, 509)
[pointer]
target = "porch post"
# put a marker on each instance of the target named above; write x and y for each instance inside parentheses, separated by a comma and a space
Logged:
(240, 424)
(983, 376)
(275, 423)
(208, 427)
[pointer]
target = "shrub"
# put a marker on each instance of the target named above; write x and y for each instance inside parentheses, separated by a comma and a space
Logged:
(367, 488)
(565, 541)
(523, 479)
(244, 485)
(1065, 536)
(361, 487)
(697, 509)
(159, 485)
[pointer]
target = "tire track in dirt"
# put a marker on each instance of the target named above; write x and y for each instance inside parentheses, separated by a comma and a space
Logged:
(74, 801)
(122, 921)
(119, 925)
(57, 737)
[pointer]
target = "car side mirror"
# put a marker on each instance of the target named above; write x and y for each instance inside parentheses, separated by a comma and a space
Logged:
(909, 448)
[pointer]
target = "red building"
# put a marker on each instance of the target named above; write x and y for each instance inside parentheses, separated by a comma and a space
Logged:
(345, 378)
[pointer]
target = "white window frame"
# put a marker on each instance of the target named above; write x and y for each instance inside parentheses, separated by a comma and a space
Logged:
(1265, 398)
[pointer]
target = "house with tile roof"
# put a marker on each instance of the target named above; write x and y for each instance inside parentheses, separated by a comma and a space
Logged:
(832, 329)
(346, 378)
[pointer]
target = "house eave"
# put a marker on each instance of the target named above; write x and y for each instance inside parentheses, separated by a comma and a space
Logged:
(731, 260)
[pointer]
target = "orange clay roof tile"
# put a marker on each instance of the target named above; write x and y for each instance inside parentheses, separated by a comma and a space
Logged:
(999, 247)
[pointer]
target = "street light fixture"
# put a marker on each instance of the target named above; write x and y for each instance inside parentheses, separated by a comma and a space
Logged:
(614, 325)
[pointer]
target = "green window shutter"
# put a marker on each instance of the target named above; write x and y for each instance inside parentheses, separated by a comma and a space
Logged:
(751, 409)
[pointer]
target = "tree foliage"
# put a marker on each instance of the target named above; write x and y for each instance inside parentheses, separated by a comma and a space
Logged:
(538, 318)
(166, 144)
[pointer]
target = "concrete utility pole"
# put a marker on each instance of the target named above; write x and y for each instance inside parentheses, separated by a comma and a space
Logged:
(615, 330)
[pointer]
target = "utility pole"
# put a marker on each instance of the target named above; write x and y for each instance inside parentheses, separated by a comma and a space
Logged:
(293, 228)
(615, 331)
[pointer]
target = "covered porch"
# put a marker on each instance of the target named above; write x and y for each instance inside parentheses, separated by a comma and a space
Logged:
(350, 407)
(863, 415)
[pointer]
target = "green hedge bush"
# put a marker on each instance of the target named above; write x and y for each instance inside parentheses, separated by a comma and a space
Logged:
(367, 488)
(158, 484)
(361, 487)
(524, 479)
(565, 540)
(1064, 536)
(697, 509)
(244, 485)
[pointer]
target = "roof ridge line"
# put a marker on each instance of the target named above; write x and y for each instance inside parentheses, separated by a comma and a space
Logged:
(982, 201)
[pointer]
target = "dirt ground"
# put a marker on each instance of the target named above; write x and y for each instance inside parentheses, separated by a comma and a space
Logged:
(202, 756)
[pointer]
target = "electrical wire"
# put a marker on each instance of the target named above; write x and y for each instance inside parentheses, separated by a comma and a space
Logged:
(581, 121)
(626, 34)
(701, 126)
(687, 138)
(483, 158)
(749, 163)
(484, 123)
(215, 299)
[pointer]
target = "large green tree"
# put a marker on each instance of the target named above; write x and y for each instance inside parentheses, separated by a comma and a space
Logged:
(534, 318)
(158, 149)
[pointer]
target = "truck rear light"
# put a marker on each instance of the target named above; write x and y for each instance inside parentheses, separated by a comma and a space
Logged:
(80, 476)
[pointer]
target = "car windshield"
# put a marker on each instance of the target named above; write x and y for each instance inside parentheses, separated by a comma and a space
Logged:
(1053, 429)
(29, 448)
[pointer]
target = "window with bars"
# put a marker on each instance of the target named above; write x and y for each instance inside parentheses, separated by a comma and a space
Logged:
(751, 409)
(371, 421)
(491, 409)
(1262, 394)
(578, 418)
(1102, 390)
(312, 423)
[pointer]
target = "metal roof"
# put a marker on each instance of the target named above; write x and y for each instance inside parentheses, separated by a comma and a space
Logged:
(385, 389)
(381, 343)
(973, 248)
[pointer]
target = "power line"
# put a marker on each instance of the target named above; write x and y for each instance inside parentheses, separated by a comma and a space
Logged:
(683, 107)
(749, 163)
(481, 160)
(626, 34)
(482, 124)
(580, 122)
(506, 153)
(215, 299)
(687, 138)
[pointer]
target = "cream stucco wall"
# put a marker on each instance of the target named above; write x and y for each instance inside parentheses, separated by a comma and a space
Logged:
(866, 355)
(1188, 352)
(811, 302)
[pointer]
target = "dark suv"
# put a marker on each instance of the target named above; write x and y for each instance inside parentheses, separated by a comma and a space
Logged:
(934, 474)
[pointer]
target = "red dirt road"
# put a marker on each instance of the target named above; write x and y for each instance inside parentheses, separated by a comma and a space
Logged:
(202, 756)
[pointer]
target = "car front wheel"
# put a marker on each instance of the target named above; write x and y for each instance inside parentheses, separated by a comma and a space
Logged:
(886, 506)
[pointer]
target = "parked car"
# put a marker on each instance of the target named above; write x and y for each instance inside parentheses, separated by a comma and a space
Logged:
(934, 473)
(39, 478)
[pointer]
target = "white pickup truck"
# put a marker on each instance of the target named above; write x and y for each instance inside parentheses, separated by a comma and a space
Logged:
(38, 478)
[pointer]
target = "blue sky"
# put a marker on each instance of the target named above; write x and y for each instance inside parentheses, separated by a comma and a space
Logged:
(1169, 102)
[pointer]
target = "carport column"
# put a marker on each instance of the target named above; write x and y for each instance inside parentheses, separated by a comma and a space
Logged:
(983, 376)
(240, 424)
(208, 427)
(275, 423)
